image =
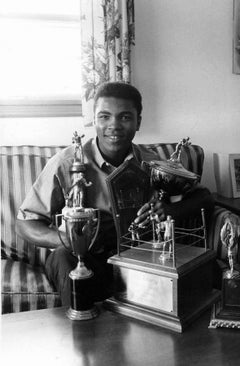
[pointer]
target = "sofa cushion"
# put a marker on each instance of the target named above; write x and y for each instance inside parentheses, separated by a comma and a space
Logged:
(25, 288)
(20, 166)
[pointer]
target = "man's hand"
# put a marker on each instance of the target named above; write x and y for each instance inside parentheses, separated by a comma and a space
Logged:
(154, 207)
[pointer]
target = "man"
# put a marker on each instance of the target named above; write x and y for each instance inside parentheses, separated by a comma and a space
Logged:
(117, 110)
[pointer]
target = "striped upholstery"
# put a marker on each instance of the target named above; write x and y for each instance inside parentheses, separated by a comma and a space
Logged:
(24, 284)
(25, 287)
(19, 166)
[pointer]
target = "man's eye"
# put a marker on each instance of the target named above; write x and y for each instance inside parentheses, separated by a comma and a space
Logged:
(103, 117)
(126, 117)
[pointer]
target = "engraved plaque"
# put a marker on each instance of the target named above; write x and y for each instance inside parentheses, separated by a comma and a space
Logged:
(148, 289)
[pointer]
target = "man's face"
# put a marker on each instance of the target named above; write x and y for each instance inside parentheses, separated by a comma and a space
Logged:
(116, 122)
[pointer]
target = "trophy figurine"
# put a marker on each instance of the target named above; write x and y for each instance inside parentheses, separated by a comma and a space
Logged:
(167, 250)
(81, 227)
(229, 238)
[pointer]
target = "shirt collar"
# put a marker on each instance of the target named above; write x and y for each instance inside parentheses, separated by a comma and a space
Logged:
(101, 162)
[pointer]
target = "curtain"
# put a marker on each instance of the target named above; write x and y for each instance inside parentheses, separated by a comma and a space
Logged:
(107, 36)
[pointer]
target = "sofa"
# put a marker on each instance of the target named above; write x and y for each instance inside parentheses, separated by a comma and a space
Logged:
(24, 285)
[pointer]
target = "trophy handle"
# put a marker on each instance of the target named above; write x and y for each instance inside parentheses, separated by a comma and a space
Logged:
(97, 229)
(58, 231)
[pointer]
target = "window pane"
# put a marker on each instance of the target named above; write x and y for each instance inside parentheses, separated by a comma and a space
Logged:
(41, 56)
(54, 7)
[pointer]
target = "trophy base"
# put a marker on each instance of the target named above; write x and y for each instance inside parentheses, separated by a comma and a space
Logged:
(221, 318)
(160, 293)
(82, 314)
(226, 312)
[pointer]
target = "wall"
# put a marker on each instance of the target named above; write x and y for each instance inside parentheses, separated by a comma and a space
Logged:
(182, 63)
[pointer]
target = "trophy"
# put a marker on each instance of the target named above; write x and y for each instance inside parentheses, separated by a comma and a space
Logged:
(81, 227)
(170, 180)
(226, 312)
(158, 277)
(169, 177)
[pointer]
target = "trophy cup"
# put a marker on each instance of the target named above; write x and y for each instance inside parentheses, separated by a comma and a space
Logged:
(169, 177)
(81, 226)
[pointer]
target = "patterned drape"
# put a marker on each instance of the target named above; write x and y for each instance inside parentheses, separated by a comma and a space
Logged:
(107, 33)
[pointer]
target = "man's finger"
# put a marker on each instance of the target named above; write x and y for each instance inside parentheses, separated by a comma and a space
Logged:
(144, 208)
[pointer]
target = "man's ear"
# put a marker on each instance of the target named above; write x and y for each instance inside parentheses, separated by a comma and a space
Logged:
(139, 123)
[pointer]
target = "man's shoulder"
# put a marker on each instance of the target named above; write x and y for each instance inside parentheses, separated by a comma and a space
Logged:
(88, 145)
(63, 156)
(143, 152)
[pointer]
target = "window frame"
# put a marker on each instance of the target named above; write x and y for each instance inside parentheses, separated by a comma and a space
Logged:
(12, 108)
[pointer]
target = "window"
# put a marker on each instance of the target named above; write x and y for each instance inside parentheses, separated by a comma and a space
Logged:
(40, 63)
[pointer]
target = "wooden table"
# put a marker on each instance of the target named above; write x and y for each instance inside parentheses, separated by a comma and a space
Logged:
(47, 337)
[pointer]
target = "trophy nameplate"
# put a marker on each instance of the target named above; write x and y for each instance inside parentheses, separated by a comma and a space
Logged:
(168, 291)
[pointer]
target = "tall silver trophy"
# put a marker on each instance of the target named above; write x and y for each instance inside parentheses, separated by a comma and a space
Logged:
(81, 225)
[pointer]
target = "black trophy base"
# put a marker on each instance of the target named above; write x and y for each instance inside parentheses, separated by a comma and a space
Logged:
(82, 306)
(226, 313)
(223, 319)
(73, 314)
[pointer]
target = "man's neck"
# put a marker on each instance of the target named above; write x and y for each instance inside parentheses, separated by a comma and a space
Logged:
(115, 159)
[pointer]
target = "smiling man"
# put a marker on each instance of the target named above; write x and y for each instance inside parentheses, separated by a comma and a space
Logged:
(117, 113)
(117, 119)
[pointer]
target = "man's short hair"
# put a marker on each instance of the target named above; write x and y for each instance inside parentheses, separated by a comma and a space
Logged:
(120, 90)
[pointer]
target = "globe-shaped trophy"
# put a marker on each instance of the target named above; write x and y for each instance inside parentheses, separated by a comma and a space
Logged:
(169, 177)
(81, 227)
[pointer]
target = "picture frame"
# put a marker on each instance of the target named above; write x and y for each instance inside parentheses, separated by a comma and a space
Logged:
(234, 162)
(236, 37)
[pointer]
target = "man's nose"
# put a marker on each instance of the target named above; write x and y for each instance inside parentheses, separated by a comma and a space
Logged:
(114, 122)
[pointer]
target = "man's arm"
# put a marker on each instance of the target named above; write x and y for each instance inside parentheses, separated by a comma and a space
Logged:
(39, 233)
(43, 201)
(191, 205)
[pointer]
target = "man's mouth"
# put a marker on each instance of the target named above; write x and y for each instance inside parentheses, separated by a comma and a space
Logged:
(114, 138)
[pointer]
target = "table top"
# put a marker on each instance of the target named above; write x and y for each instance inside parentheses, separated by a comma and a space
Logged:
(48, 337)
